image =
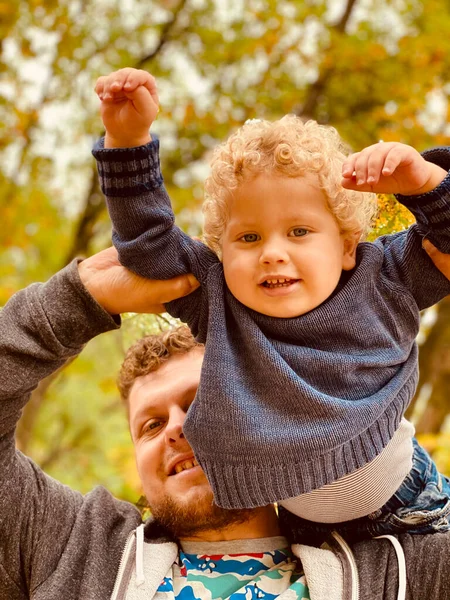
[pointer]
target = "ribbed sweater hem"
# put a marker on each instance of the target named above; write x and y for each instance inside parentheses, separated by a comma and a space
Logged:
(252, 482)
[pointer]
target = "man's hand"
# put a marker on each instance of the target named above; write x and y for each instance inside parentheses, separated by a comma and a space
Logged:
(441, 260)
(391, 168)
(118, 290)
(129, 105)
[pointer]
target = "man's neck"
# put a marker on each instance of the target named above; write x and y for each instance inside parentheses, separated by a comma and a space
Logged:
(262, 523)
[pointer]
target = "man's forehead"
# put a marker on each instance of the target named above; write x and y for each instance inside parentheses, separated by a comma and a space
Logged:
(178, 372)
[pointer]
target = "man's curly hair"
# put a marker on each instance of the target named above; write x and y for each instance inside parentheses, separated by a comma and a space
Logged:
(150, 352)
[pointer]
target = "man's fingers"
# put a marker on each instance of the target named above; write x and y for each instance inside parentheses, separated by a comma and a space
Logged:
(151, 295)
(429, 248)
(441, 261)
(119, 290)
(178, 287)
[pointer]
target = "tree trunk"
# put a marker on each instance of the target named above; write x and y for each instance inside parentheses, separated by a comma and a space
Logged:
(434, 367)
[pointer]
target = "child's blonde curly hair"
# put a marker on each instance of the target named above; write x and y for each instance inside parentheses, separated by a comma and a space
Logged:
(289, 147)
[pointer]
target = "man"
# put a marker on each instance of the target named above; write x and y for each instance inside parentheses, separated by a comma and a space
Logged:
(56, 543)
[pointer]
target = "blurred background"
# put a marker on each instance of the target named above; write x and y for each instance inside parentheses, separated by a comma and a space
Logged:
(375, 69)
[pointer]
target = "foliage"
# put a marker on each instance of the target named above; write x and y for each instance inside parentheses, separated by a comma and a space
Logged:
(439, 447)
(391, 217)
(375, 70)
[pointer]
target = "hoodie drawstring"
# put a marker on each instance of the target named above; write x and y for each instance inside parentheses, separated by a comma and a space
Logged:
(140, 577)
(401, 565)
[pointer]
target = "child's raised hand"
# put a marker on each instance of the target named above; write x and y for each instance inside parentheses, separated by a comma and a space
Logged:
(129, 105)
(390, 168)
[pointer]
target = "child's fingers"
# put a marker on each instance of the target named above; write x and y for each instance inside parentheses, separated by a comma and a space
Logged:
(143, 79)
(348, 168)
(369, 163)
(143, 106)
(139, 78)
(100, 86)
(393, 159)
(360, 167)
(375, 162)
(152, 88)
(124, 83)
(114, 83)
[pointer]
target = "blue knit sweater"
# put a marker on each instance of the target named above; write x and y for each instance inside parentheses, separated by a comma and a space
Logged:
(286, 406)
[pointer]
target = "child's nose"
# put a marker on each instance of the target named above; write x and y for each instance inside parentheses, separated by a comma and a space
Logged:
(273, 254)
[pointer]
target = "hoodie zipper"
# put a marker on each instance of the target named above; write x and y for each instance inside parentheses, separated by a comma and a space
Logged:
(122, 565)
(351, 559)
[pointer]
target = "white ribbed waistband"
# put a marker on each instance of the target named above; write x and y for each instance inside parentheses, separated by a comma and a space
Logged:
(365, 490)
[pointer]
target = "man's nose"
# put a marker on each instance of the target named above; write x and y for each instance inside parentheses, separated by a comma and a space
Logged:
(273, 252)
(174, 429)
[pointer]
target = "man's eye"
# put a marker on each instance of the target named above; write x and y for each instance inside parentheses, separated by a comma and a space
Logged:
(249, 237)
(298, 232)
(152, 426)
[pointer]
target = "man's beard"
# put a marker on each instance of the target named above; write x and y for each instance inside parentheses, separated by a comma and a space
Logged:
(187, 520)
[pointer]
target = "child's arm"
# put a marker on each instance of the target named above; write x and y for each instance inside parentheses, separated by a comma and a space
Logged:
(422, 184)
(144, 232)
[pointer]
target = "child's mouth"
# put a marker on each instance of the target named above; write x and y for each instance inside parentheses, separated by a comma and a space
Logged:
(274, 283)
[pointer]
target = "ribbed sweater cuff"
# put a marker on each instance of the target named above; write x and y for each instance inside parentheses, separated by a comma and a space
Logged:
(432, 210)
(122, 170)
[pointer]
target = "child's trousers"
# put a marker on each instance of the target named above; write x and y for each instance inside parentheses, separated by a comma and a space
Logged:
(420, 505)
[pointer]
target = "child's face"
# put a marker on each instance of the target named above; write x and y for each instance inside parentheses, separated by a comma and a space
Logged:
(282, 250)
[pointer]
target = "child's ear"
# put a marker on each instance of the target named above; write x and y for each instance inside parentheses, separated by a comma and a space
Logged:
(349, 251)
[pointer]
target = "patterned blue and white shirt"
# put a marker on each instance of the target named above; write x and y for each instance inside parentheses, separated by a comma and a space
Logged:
(265, 570)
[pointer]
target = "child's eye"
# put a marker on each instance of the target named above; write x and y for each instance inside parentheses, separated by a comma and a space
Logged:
(249, 237)
(298, 232)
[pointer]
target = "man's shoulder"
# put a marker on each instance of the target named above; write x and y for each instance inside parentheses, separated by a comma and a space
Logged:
(420, 560)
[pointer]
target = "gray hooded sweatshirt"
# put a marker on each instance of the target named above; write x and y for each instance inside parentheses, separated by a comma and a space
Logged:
(56, 543)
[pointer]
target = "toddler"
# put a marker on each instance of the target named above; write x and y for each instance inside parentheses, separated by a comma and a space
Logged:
(310, 358)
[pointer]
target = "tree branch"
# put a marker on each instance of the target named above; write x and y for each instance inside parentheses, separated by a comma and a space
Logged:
(165, 36)
(316, 89)
(341, 25)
